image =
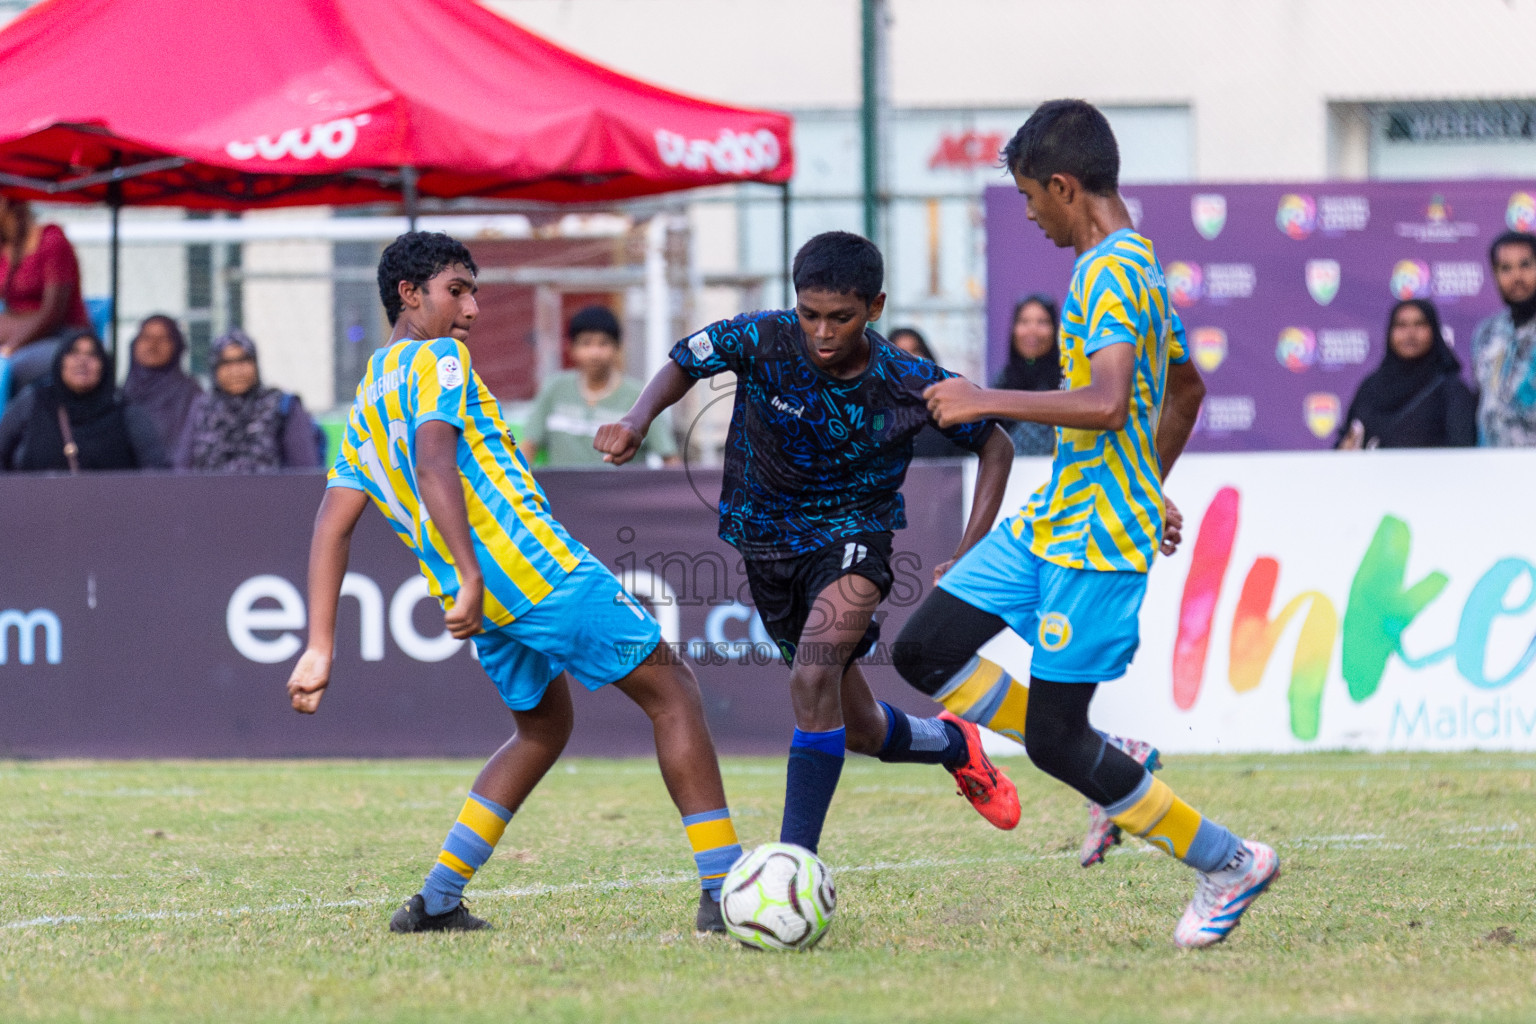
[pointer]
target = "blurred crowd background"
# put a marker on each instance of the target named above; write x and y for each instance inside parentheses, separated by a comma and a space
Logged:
(249, 331)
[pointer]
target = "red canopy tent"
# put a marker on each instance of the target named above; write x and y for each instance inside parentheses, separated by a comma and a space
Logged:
(229, 104)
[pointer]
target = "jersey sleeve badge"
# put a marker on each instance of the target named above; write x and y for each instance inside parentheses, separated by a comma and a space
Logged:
(450, 373)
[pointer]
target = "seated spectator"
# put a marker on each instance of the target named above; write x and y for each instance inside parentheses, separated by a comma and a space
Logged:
(242, 427)
(1504, 348)
(1034, 364)
(39, 290)
(74, 419)
(929, 442)
(572, 404)
(156, 382)
(1415, 398)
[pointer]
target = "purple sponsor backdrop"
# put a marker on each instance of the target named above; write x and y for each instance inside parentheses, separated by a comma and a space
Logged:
(143, 616)
(1284, 289)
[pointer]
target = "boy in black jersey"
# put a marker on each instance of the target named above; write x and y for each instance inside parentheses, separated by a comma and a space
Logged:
(819, 443)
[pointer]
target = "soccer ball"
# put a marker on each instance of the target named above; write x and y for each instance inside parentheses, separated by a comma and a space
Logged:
(778, 896)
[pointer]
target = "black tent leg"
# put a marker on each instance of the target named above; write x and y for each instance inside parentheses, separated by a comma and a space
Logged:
(115, 203)
(409, 194)
(789, 292)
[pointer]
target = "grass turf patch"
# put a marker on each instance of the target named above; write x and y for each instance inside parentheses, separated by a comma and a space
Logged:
(238, 891)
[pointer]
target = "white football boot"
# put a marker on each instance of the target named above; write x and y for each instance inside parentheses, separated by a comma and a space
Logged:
(1222, 896)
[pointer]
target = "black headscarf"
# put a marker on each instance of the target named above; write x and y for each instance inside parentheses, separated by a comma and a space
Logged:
(1042, 374)
(1398, 381)
(164, 393)
(95, 418)
(95, 403)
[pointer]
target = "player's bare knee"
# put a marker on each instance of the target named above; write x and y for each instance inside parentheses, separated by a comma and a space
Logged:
(549, 730)
(809, 677)
(862, 738)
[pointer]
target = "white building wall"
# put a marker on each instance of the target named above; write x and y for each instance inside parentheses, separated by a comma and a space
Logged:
(288, 298)
(1258, 74)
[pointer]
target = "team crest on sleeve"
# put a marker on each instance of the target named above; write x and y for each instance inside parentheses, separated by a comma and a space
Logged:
(701, 346)
(1055, 631)
(450, 373)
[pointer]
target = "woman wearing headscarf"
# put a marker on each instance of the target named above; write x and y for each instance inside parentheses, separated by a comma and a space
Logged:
(75, 420)
(1034, 364)
(1415, 398)
(156, 382)
(242, 427)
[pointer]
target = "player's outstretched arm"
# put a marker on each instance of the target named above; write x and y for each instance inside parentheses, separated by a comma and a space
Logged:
(1103, 403)
(620, 441)
(329, 549)
(437, 477)
(991, 482)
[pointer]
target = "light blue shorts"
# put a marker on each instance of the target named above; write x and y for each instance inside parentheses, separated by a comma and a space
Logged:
(588, 626)
(1082, 623)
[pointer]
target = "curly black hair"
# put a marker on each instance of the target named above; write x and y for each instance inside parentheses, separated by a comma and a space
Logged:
(417, 257)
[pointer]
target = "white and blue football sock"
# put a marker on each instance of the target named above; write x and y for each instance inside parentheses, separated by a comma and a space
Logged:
(920, 740)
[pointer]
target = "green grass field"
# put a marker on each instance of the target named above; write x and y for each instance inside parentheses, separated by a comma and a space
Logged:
(238, 892)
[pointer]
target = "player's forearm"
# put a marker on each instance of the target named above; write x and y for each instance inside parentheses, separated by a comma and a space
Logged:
(26, 328)
(665, 390)
(1181, 408)
(329, 551)
(1094, 407)
(991, 483)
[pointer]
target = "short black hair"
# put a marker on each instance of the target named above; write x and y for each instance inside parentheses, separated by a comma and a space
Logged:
(841, 262)
(594, 318)
(417, 257)
(1524, 238)
(1066, 137)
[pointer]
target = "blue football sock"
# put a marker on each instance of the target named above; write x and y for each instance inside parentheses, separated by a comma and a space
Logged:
(815, 764)
(468, 846)
(921, 740)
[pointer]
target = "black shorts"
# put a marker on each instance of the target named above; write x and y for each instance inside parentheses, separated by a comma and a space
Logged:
(785, 589)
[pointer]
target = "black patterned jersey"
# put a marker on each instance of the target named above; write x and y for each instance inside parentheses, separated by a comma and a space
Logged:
(810, 458)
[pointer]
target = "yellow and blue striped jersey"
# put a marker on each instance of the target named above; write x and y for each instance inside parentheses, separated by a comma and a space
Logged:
(1103, 506)
(523, 552)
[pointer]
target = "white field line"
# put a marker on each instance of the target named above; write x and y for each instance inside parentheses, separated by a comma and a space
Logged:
(511, 892)
(1359, 841)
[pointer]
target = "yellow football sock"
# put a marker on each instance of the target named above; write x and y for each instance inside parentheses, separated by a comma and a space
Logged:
(983, 693)
(1159, 817)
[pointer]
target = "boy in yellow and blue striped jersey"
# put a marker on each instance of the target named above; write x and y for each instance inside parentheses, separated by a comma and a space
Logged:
(426, 441)
(1069, 571)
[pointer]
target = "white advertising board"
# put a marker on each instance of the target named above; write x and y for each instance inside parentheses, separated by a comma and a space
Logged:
(1368, 601)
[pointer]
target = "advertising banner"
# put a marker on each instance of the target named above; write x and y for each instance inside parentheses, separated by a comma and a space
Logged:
(1371, 600)
(146, 615)
(1284, 289)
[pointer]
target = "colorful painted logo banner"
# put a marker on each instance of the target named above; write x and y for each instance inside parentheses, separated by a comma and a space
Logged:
(1295, 280)
(1377, 600)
